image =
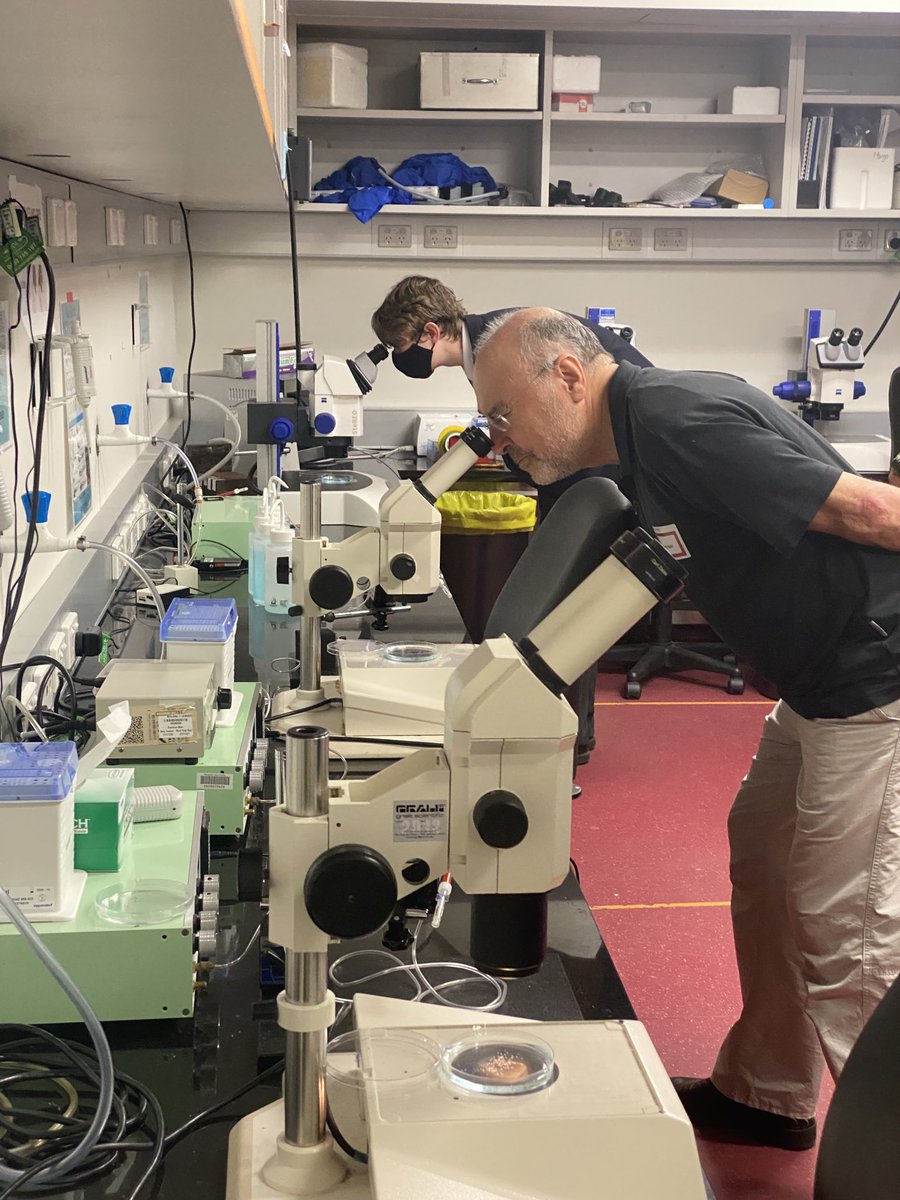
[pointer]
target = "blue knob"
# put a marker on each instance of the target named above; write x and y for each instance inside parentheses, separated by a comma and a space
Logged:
(792, 389)
(859, 389)
(121, 413)
(43, 507)
(166, 374)
(281, 429)
(324, 423)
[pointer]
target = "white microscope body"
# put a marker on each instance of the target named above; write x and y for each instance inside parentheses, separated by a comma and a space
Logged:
(400, 556)
(493, 807)
(826, 381)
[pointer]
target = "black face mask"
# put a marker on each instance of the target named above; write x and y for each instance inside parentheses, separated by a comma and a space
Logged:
(414, 362)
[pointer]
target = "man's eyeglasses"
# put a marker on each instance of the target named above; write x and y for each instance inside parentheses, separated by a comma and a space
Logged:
(497, 421)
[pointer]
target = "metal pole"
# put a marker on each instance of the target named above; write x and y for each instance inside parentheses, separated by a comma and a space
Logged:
(179, 535)
(305, 974)
(310, 648)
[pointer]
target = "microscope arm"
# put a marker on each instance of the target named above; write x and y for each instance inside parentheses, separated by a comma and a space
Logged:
(401, 554)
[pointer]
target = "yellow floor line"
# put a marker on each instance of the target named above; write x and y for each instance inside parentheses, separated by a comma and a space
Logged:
(674, 703)
(673, 904)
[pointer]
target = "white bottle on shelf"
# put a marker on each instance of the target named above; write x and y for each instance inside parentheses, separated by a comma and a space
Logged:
(256, 554)
(279, 536)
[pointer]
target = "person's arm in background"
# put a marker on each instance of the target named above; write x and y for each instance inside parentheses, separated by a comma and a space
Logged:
(863, 511)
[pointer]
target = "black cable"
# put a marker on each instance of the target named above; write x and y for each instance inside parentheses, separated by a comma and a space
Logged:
(357, 1155)
(883, 325)
(44, 395)
(37, 1129)
(187, 240)
(201, 1118)
(298, 712)
(295, 271)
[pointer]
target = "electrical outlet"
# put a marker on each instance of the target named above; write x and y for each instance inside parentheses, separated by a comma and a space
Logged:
(629, 238)
(394, 237)
(30, 694)
(856, 240)
(675, 240)
(892, 241)
(441, 237)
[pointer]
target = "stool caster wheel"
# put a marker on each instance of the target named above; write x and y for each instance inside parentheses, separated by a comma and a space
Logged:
(631, 690)
(735, 685)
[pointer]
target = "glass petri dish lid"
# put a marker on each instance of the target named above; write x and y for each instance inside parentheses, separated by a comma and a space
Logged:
(499, 1062)
(143, 902)
(411, 653)
(390, 1058)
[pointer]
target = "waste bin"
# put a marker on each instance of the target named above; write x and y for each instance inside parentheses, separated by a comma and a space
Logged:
(483, 535)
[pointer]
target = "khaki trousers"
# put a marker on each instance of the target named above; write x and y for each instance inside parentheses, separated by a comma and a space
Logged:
(815, 872)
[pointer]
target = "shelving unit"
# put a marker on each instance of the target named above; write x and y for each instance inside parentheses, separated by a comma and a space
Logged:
(681, 70)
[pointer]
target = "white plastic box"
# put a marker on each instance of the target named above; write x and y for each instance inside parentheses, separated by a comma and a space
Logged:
(201, 629)
(750, 101)
(37, 828)
(332, 75)
(576, 73)
(862, 177)
(449, 79)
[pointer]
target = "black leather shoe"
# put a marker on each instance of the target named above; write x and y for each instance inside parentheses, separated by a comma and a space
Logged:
(725, 1120)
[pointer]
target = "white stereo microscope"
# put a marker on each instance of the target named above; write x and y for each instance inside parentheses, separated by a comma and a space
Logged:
(493, 807)
(825, 383)
(401, 557)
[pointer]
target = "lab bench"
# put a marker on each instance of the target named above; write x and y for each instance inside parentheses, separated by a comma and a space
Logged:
(191, 1064)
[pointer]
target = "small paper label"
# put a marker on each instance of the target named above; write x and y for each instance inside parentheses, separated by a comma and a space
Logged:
(424, 822)
(175, 727)
(669, 537)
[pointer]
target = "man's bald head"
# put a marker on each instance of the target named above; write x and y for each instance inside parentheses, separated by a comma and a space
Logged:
(534, 338)
(537, 377)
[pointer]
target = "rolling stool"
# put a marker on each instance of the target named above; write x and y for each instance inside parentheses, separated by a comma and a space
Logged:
(660, 654)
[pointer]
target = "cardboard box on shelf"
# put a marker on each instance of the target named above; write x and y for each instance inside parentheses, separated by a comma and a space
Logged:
(739, 187)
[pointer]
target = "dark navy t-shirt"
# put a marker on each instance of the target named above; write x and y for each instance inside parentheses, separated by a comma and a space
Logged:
(729, 481)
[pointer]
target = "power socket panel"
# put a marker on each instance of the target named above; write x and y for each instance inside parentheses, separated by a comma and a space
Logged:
(856, 241)
(441, 237)
(670, 240)
(394, 237)
(628, 238)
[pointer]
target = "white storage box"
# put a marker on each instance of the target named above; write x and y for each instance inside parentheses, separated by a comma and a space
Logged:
(861, 177)
(494, 81)
(576, 73)
(332, 75)
(201, 629)
(37, 829)
(750, 101)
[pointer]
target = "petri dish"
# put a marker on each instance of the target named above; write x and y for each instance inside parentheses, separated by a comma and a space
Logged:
(411, 653)
(495, 1062)
(391, 1058)
(143, 902)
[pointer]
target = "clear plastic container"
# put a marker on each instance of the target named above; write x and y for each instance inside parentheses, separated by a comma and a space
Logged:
(143, 902)
(493, 1061)
(390, 1058)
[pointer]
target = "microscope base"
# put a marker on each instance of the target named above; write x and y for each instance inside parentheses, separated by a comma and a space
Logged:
(251, 1164)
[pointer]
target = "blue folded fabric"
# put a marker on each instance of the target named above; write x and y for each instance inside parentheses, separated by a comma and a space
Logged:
(362, 187)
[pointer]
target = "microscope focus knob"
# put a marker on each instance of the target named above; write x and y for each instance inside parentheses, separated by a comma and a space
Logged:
(501, 819)
(331, 587)
(350, 891)
(403, 566)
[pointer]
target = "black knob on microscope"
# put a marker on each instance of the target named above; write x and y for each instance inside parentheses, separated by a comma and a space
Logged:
(350, 891)
(331, 587)
(501, 819)
(403, 566)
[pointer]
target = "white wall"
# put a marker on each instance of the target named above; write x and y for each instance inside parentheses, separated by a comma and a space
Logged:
(106, 293)
(740, 318)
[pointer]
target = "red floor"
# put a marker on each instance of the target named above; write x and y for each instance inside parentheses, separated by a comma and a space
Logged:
(650, 841)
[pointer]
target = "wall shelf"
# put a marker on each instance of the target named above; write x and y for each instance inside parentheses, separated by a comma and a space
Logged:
(699, 119)
(416, 116)
(841, 98)
(645, 212)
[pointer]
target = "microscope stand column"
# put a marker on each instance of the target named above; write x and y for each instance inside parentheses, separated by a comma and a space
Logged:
(305, 1162)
